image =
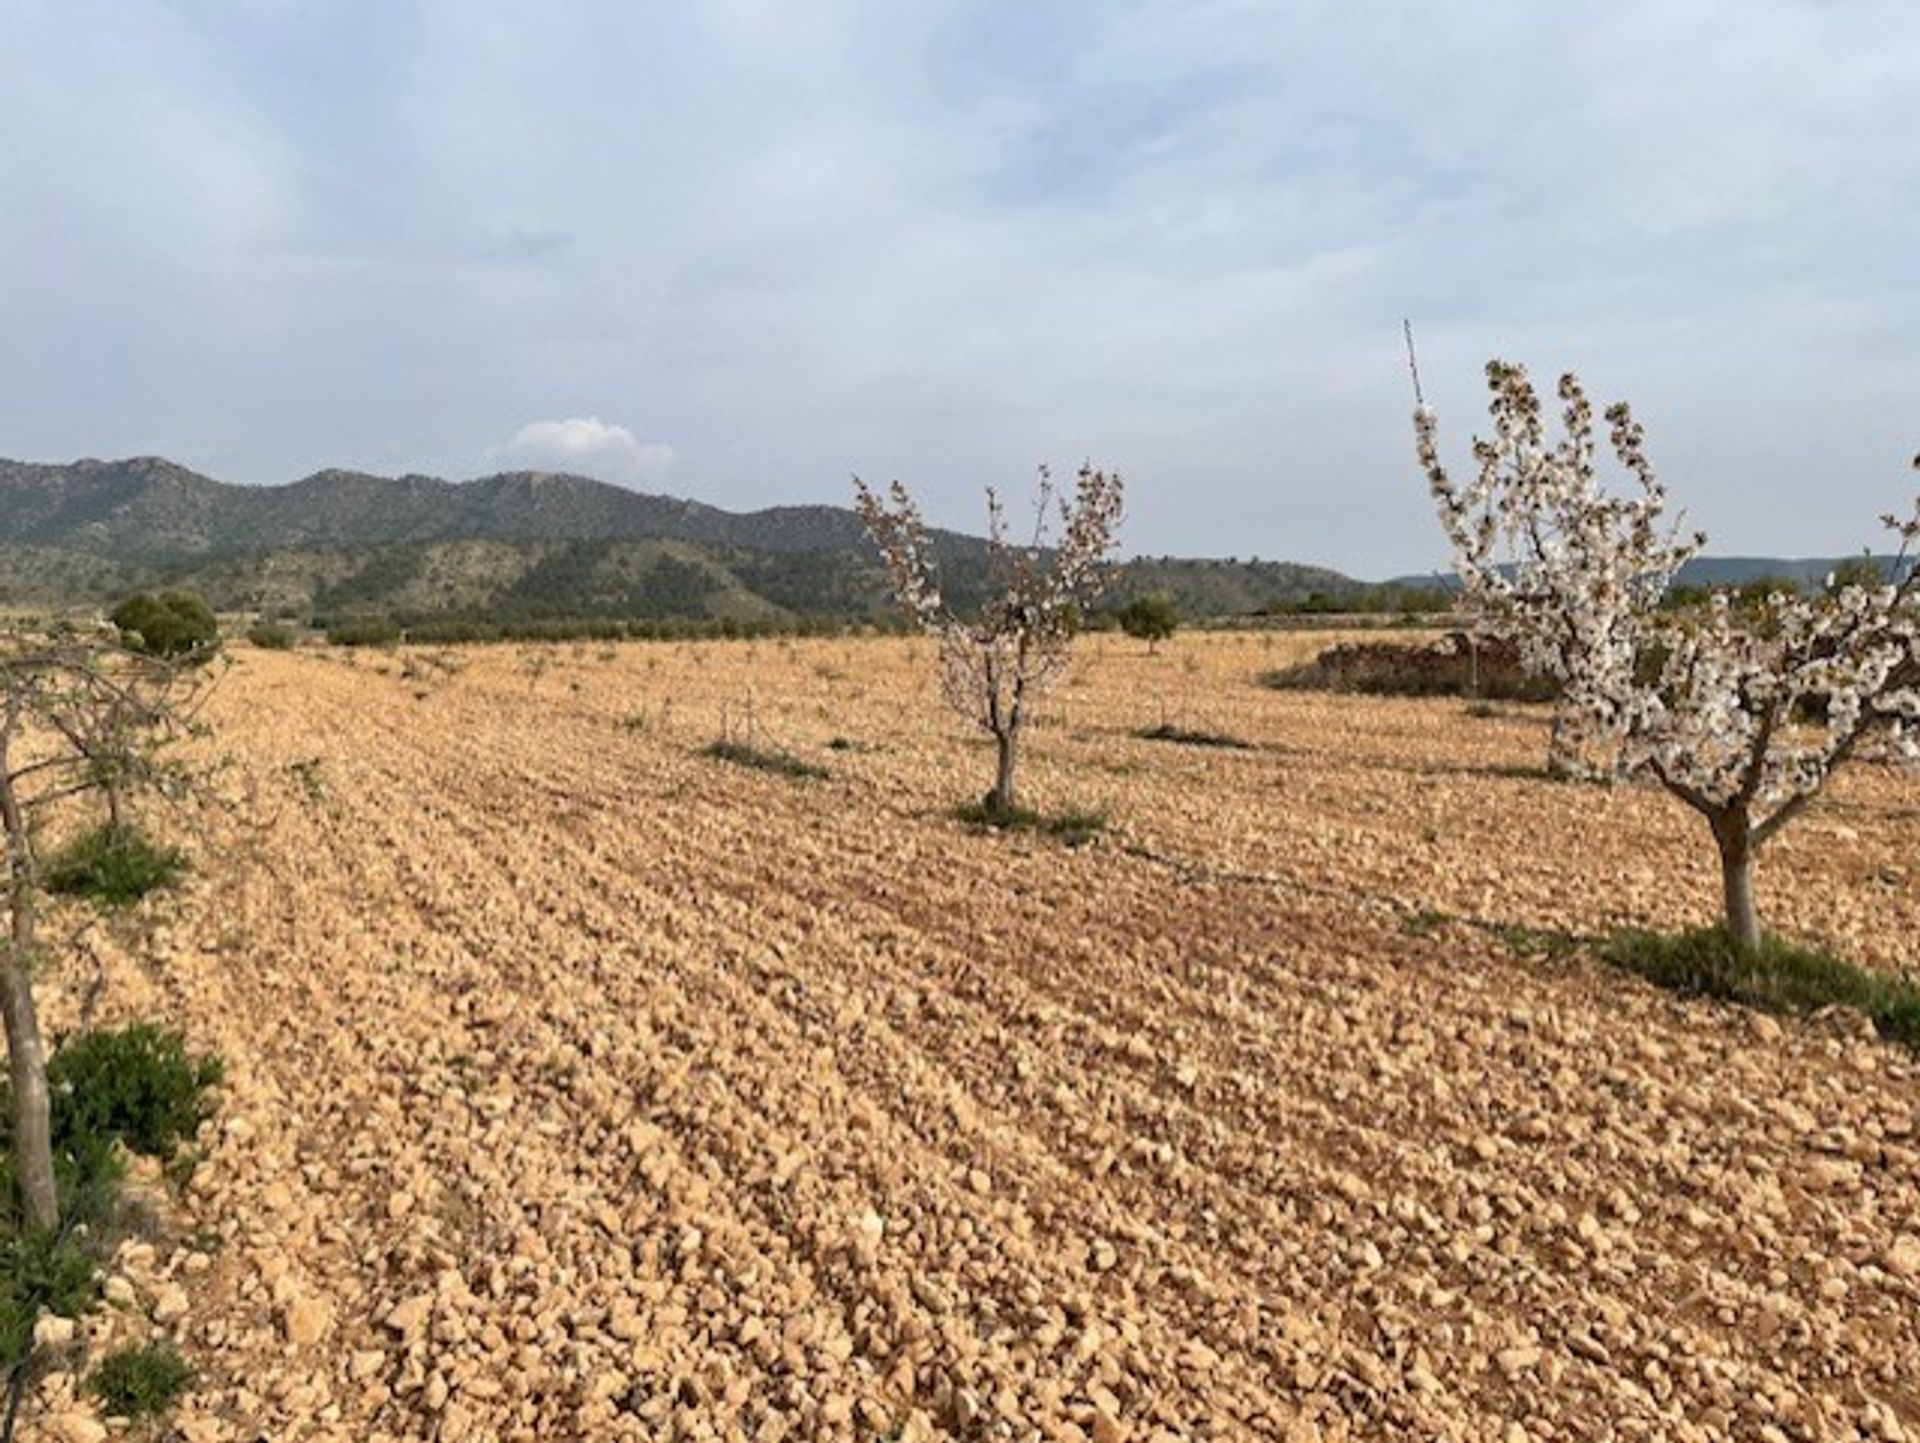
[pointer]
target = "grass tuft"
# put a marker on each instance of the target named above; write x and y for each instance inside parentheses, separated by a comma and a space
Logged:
(1779, 977)
(1076, 826)
(1549, 942)
(40, 1271)
(1187, 736)
(766, 759)
(140, 1382)
(115, 866)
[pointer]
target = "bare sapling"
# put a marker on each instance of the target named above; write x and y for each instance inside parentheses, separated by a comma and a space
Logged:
(995, 665)
(80, 718)
(1741, 712)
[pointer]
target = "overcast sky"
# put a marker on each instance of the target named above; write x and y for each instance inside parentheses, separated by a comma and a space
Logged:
(739, 250)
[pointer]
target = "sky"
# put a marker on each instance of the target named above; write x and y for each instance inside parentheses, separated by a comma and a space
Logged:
(741, 249)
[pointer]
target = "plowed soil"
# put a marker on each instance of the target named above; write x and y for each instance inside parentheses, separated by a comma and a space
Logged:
(584, 1086)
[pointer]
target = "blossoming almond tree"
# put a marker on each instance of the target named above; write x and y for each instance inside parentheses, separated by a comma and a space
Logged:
(1568, 574)
(993, 666)
(1742, 715)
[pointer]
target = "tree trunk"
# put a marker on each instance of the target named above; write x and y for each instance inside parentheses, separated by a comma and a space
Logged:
(26, 1056)
(1735, 838)
(27, 1068)
(1001, 799)
(1561, 750)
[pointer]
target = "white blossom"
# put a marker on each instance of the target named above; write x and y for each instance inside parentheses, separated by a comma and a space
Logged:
(1741, 711)
(993, 664)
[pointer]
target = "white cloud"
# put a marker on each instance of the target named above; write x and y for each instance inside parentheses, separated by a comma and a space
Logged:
(587, 446)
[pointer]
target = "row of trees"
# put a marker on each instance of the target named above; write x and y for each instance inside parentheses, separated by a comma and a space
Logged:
(1741, 707)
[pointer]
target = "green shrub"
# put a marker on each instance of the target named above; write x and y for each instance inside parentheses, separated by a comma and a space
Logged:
(134, 1087)
(140, 1382)
(113, 865)
(765, 759)
(174, 623)
(1779, 977)
(137, 1084)
(1188, 736)
(1076, 826)
(1151, 618)
(40, 1272)
(273, 636)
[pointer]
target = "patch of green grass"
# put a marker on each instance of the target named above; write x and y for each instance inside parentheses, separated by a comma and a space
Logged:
(134, 1088)
(115, 866)
(40, 1271)
(1076, 826)
(1548, 942)
(137, 1084)
(1190, 737)
(1425, 922)
(1779, 977)
(766, 759)
(140, 1382)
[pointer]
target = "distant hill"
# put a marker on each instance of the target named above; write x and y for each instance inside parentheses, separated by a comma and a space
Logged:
(1809, 572)
(519, 544)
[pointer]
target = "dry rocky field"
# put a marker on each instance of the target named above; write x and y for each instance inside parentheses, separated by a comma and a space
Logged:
(584, 1086)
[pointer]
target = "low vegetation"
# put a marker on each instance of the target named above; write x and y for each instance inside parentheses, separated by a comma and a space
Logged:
(142, 1381)
(1076, 826)
(273, 636)
(765, 759)
(1192, 737)
(136, 1089)
(114, 866)
(1457, 665)
(1776, 976)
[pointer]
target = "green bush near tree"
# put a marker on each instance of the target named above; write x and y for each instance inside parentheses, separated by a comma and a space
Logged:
(170, 624)
(135, 1088)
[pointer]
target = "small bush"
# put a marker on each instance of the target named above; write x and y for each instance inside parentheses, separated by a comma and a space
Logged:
(1075, 826)
(1189, 737)
(40, 1272)
(765, 759)
(116, 866)
(1152, 618)
(134, 1087)
(137, 1084)
(1779, 977)
(1387, 668)
(174, 623)
(273, 636)
(140, 1382)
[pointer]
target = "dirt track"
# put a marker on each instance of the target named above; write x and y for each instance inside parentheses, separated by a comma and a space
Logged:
(587, 1087)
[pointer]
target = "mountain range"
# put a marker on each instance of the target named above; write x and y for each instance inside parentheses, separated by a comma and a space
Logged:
(519, 544)
(532, 545)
